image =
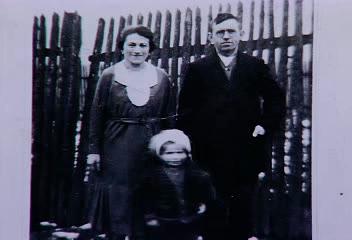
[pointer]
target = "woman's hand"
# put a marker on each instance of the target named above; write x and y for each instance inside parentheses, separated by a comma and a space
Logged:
(93, 162)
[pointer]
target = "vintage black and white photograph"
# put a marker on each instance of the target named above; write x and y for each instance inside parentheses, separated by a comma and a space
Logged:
(173, 122)
(183, 120)
(175, 119)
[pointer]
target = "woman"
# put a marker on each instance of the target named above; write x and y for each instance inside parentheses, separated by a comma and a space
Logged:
(131, 104)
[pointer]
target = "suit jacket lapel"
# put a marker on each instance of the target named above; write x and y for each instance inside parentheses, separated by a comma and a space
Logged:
(218, 71)
(237, 72)
(219, 74)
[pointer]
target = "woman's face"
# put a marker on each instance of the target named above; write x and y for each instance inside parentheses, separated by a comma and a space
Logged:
(136, 49)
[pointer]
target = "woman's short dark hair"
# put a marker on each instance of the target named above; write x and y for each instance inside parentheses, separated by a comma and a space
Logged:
(140, 30)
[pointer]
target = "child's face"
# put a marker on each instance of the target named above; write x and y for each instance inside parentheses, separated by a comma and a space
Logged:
(173, 154)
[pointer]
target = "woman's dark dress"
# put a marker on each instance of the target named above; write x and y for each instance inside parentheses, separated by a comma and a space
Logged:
(120, 132)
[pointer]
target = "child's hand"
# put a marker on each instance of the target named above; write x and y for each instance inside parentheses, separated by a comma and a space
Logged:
(153, 223)
(201, 208)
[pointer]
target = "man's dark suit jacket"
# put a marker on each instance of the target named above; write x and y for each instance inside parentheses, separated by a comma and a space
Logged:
(220, 114)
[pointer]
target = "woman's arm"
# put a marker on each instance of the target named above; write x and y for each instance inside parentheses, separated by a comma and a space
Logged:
(98, 112)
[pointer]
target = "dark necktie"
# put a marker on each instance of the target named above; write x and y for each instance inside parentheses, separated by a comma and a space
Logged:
(228, 68)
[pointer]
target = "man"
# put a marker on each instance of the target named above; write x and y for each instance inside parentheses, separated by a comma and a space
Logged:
(229, 105)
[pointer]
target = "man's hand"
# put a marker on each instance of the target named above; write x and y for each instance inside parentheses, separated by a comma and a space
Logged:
(93, 161)
(153, 223)
(201, 208)
(258, 130)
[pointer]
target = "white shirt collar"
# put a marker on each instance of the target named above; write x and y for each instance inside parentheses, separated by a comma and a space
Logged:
(146, 76)
(226, 60)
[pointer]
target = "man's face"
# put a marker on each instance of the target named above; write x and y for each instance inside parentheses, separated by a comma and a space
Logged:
(226, 36)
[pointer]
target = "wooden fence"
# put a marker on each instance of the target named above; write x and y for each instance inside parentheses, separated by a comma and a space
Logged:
(56, 87)
(283, 205)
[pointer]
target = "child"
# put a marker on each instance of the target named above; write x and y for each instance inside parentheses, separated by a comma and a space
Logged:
(176, 191)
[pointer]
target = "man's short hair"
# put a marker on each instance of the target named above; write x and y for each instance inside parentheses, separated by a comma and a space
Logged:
(223, 17)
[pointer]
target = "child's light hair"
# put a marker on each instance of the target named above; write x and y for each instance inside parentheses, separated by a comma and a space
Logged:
(171, 135)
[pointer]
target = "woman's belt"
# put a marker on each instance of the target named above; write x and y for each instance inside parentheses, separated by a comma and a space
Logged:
(143, 120)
